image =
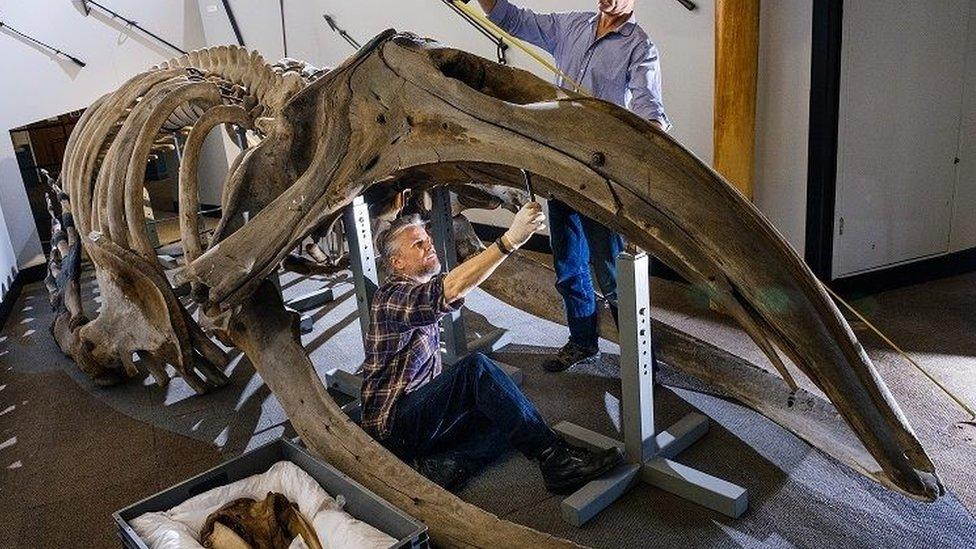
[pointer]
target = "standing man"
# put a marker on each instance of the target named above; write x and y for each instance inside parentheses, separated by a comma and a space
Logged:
(610, 56)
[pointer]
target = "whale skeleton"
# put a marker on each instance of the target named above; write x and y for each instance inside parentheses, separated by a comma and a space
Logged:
(407, 113)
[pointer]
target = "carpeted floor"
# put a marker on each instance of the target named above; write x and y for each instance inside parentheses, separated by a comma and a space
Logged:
(115, 445)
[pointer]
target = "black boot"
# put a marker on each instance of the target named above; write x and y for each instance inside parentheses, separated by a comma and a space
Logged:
(447, 472)
(570, 355)
(565, 468)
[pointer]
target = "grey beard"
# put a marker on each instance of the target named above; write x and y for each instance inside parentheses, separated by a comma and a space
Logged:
(433, 270)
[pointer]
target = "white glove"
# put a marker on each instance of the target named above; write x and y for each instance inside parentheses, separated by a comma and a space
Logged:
(528, 220)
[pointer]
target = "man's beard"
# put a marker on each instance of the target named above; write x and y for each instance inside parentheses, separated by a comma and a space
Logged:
(432, 269)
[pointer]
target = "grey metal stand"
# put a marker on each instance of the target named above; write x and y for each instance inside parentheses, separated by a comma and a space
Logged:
(454, 342)
(362, 258)
(647, 452)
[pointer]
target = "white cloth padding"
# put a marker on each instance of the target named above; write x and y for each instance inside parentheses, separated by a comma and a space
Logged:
(180, 526)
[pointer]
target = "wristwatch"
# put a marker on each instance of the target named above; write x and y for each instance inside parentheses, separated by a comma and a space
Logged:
(501, 246)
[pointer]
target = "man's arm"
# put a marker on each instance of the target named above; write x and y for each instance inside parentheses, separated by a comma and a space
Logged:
(468, 275)
(644, 85)
(539, 29)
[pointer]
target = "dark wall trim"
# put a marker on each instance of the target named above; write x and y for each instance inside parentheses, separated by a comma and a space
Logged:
(905, 275)
(822, 148)
(23, 277)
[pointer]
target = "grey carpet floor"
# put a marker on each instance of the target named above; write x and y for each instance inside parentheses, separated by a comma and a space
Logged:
(798, 496)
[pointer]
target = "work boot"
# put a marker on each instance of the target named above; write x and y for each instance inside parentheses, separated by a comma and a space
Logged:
(570, 355)
(565, 468)
(448, 472)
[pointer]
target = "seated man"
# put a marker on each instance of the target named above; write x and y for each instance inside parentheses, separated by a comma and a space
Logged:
(450, 424)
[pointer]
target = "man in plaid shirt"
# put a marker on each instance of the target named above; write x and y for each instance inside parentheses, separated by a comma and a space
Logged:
(449, 424)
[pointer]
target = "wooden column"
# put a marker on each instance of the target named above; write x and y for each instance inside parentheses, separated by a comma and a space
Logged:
(736, 68)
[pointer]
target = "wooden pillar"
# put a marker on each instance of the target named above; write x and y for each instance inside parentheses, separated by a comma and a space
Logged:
(736, 68)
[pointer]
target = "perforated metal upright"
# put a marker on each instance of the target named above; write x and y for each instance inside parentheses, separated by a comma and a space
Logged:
(362, 258)
(647, 452)
(454, 341)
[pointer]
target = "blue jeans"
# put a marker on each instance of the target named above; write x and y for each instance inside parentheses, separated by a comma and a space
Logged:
(578, 242)
(471, 411)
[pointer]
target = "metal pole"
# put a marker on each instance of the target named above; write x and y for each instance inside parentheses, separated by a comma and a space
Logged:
(637, 381)
(83, 5)
(345, 35)
(233, 23)
(284, 35)
(70, 57)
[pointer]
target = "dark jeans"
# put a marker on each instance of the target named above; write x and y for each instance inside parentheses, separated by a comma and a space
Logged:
(578, 242)
(471, 411)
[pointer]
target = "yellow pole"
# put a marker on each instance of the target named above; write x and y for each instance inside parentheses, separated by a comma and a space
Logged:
(736, 70)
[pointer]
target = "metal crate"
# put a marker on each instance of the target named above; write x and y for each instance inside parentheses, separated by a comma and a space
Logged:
(360, 502)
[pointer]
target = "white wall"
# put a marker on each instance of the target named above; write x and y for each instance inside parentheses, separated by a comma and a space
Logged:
(36, 85)
(783, 116)
(962, 235)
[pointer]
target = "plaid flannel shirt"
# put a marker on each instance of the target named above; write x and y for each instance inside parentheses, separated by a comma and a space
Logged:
(402, 345)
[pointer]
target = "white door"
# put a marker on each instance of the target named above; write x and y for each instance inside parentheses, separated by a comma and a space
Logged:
(902, 74)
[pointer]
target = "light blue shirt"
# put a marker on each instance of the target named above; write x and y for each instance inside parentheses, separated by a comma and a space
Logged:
(622, 67)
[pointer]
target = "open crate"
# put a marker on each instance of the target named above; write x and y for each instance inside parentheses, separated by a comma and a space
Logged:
(360, 502)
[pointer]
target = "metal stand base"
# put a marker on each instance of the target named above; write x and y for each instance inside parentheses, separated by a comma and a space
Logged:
(660, 471)
(648, 452)
(483, 343)
(305, 322)
(311, 300)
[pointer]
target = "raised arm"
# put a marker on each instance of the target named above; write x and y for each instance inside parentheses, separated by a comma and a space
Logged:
(468, 275)
(539, 29)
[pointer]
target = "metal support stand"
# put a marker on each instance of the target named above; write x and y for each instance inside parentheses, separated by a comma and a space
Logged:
(362, 259)
(241, 137)
(647, 452)
(455, 344)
